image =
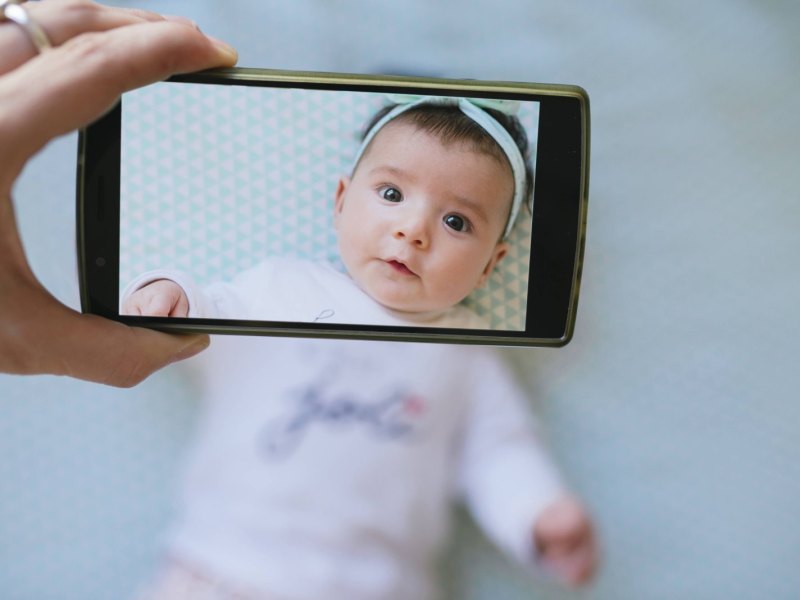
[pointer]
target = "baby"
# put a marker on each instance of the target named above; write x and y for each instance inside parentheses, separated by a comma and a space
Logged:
(326, 469)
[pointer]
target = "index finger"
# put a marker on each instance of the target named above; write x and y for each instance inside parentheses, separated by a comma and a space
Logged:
(70, 86)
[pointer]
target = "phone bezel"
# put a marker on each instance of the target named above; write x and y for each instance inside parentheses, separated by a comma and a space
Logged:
(559, 219)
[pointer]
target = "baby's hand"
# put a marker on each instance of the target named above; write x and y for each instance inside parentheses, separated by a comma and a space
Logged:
(161, 298)
(565, 541)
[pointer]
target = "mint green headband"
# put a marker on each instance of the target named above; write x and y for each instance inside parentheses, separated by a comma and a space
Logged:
(474, 108)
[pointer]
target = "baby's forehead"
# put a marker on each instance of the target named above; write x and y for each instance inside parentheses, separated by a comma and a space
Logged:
(402, 132)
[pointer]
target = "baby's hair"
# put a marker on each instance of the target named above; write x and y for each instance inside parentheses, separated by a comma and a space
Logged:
(450, 125)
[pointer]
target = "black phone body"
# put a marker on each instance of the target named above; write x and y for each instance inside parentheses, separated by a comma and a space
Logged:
(185, 175)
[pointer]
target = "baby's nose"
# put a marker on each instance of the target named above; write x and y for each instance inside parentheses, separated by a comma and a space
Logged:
(413, 229)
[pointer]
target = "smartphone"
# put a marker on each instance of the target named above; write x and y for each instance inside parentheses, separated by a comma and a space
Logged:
(309, 204)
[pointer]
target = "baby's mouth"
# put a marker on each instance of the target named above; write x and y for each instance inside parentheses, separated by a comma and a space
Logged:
(400, 267)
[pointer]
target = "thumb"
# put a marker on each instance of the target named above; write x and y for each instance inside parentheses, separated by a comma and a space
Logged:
(104, 351)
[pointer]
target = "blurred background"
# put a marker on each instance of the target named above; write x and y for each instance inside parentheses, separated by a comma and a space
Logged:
(674, 411)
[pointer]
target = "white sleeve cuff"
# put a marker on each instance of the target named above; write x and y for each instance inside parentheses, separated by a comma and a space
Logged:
(509, 496)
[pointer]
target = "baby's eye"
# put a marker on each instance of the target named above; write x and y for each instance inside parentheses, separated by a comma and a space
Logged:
(390, 194)
(456, 222)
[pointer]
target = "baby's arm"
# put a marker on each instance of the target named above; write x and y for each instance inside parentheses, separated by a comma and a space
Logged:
(510, 483)
(173, 293)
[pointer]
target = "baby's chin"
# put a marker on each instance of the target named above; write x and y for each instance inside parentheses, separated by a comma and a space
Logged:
(416, 315)
(411, 309)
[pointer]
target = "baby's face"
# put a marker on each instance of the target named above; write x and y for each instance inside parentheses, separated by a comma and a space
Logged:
(419, 222)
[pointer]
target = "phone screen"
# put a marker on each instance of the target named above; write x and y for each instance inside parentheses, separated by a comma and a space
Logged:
(219, 181)
(284, 208)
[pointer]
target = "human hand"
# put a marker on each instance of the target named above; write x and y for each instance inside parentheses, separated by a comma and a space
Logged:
(161, 298)
(98, 53)
(565, 542)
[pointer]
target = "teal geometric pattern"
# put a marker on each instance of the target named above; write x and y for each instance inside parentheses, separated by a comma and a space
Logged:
(216, 178)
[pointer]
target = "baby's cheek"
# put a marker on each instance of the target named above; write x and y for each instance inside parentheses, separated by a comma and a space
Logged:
(462, 278)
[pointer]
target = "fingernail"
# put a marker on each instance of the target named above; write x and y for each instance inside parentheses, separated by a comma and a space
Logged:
(196, 346)
(226, 50)
(184, 20)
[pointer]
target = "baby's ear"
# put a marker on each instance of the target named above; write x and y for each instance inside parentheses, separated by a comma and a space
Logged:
(341, 191)
(500, 250)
